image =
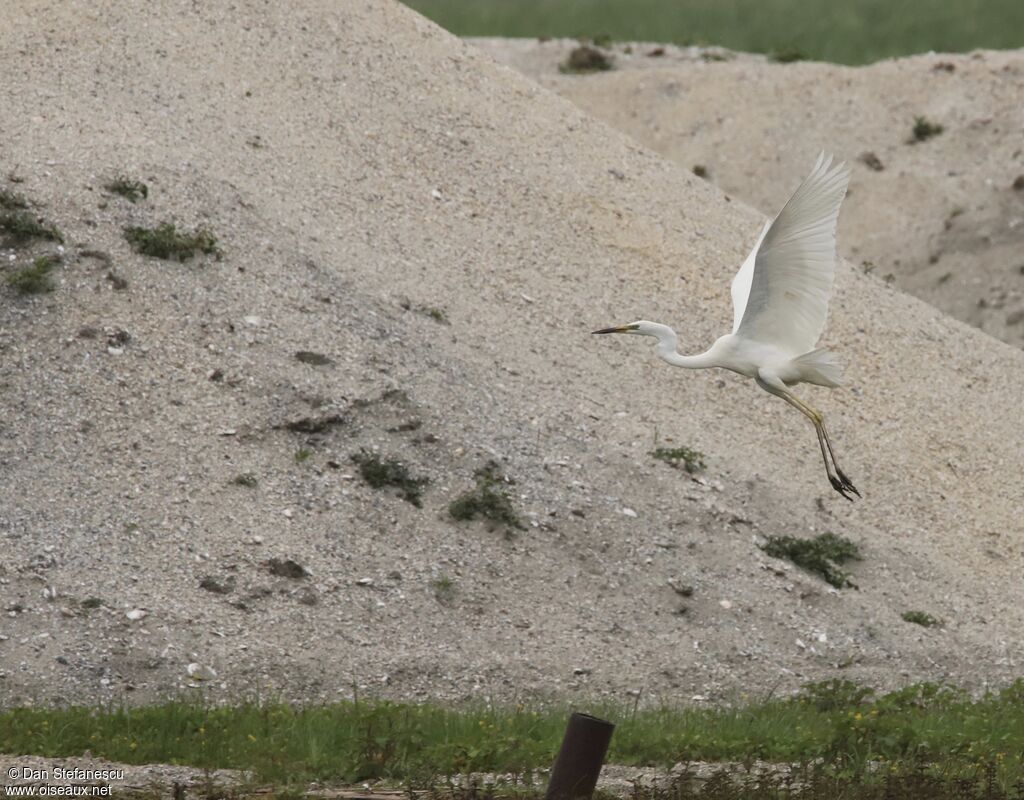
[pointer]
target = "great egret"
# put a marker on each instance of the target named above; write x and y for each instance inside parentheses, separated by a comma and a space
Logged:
(780, 301)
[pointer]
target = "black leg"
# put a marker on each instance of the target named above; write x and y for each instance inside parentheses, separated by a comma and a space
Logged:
(838, 480)
(846, 482)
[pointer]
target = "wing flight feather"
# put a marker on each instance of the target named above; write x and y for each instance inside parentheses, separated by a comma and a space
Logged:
(794, 265)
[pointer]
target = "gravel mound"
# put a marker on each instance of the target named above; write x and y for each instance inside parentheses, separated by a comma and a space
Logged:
(412, 244)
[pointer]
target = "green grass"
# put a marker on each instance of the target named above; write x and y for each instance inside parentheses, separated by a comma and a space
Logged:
(821, 555)
(12, 201)
(167, 242)
(129, 189)
(850, 730)
(19, 227)
(691, 460)
(34, 279)
(924, 129)
(855, 32)
(381, 473)
(444, 589)
(488, 500)
(922, 618)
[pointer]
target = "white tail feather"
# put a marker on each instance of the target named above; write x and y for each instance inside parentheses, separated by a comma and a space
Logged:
(820, 367)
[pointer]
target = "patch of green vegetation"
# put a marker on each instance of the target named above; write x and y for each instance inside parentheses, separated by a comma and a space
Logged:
(924, 130)
(302, 455)
(444, 589)
(585, 59)
(821, 555)
(19, 227)
(34, 279)
(129, 189)
(921, 618)
(603, 40)
(787, 55)
(853, 32)
(167, 242)
(248, 480)
(691, 460)
(836, 734)
(12, 201)
(380, 473)
(487, 500)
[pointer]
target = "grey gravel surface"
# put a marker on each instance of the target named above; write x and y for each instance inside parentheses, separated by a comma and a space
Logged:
(446, 233)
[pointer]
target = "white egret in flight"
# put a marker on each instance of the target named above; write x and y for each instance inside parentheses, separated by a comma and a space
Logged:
(780, 301)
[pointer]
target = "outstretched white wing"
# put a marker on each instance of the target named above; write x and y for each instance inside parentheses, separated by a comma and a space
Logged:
(794, 265)
(741, 283)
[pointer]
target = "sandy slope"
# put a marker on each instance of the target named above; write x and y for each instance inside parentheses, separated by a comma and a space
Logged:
(941, 216)
(355, 160)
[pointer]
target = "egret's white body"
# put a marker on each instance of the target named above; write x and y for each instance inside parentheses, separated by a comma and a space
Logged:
(780, 303)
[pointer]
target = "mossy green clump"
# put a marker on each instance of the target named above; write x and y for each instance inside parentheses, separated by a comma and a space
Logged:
(34, 279)
(129, 189)
(922, 618)
(821, 555)
(168, 243)
(18, 227)
(12, 201)
(691, 460)
(487, 500)
(444, 589)
(586, 59)
(380, 473)
(924, 129)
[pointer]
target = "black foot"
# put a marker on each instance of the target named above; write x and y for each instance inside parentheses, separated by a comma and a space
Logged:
(843, 485)
(839, 487)
(847, 483)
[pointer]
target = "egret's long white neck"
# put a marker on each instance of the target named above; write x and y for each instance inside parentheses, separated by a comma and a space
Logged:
(666, 350)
